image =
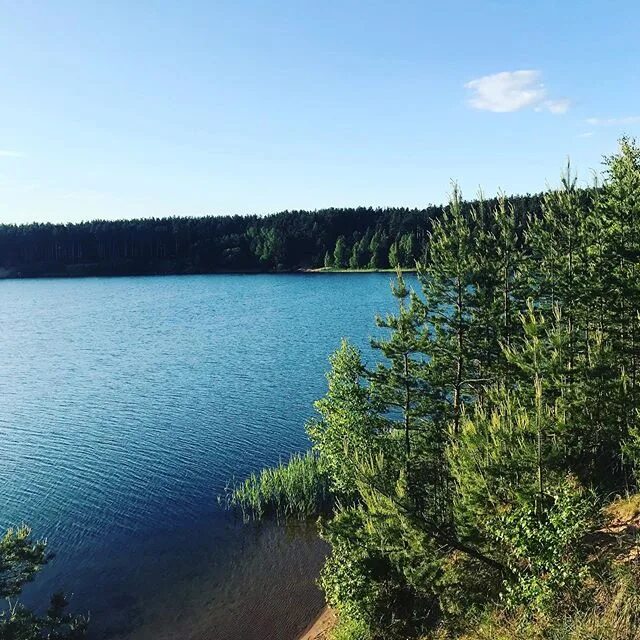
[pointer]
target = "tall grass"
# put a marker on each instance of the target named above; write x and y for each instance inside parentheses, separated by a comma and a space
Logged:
(612, 614)
(298, 489)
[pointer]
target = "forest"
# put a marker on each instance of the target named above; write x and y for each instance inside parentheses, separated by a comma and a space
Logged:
(361, 238)
(480, 482)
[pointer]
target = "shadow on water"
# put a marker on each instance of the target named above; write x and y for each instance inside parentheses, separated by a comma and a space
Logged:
(259, 582)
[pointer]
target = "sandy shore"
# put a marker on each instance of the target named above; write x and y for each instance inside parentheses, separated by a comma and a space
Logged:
(332, 270)
(319, 630)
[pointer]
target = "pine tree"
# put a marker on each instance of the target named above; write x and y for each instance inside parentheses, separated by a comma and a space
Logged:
(394, 256)
(516, 498)
(410, 405)
(559, 258)
(499, 291)
(379, 250)
(407, 250)
(618, 208)
(448, 286)
(360, 253)
(348, 423)
(502, 409)
(341, 254)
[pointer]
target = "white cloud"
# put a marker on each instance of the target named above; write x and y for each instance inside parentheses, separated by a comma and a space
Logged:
(512, 91)
(609, 122)
(558, 106)
(586, 134)
(5, 153)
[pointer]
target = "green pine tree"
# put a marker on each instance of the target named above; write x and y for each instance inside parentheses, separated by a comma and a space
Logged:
(394, 256)
(341, 254)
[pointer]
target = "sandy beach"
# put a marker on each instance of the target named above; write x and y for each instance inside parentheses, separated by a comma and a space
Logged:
(319, 629)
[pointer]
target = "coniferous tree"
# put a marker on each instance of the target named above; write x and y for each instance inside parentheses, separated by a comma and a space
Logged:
(360, 253)
(448, 286)
(618, 210)
(499, 287)
(407, 250)
(512, 465)
(501, 414)
(348, 422)
(379, 251)
(411, 407)
(341, 254)
(394, 256)
(559, 257)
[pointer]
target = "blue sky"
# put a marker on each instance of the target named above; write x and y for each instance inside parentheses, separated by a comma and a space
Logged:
(129, 109)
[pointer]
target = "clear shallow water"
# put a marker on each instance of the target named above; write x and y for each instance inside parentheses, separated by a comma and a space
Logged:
(126, 404)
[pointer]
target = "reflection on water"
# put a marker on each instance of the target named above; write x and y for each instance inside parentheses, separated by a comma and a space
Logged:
(126, 404)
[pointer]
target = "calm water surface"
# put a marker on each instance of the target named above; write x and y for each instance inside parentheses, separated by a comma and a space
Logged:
(126, 404)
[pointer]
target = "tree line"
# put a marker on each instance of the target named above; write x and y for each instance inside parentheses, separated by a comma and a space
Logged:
(474, 470)
(356, 238)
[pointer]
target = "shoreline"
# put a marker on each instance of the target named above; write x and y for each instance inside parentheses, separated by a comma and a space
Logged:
(332, 270)
(5, 274)
(319, 629)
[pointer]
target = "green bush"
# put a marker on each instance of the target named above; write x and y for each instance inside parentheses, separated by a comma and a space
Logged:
(347, 629)
(543, 545)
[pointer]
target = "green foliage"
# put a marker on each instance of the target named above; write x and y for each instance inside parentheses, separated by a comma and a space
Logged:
(298, 488)
(360, 253)
(328, 260)
(349, 629)
(21, 557)
(411, 409)
(367, 584)
(379, 250)
(407, 250)
(504, 407)
(542, 544)
(285, 241)
(341, 254)
(347, 575)
(348, 425)
(611, 613)
(289, 241)
(448, 287)
(394, 257)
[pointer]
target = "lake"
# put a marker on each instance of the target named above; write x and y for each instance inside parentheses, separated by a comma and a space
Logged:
(127, 404)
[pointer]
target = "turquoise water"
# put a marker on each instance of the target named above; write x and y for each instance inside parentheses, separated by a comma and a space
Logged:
(126, 404)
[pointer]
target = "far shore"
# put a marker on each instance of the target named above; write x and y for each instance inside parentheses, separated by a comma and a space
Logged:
(7, 274)
(332, 270)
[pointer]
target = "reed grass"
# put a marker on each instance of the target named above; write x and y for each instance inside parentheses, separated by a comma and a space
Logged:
(296, 489)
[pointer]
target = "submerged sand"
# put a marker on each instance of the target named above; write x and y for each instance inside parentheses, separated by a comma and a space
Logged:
(320, 628)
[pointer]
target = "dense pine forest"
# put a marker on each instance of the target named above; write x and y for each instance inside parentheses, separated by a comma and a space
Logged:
(481, 480)
(362, 238)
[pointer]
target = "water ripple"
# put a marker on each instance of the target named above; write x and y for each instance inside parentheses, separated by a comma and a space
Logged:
(127, 403)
